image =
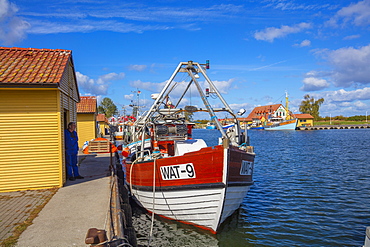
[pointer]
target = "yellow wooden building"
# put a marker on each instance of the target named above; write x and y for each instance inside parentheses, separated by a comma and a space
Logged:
(103, 125)
(38, 96)
(86, 119)
(305, 120)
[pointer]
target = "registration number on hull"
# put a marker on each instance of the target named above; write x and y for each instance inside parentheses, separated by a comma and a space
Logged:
(246, 168)
(180, 171)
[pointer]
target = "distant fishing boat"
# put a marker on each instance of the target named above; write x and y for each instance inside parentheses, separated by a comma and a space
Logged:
(180, 178)
(226, 126)
(123, 125)
(256, 127)
(210, 126)
(290, 124)
(279, 123)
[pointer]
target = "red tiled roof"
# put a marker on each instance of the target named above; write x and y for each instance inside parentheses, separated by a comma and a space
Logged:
(32, 66)
(262, 110)
(87, 104)
(303, 116)
(101, 118)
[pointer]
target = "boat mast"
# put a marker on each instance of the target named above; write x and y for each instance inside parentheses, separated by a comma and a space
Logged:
(287, 105)
(286, 101)
(189, 69)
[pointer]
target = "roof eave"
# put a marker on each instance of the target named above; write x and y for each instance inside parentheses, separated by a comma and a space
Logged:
(24, 85)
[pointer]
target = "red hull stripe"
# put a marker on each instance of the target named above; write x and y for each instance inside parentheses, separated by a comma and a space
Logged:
(208, 165)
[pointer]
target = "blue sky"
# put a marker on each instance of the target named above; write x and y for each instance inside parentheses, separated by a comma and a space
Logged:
(258, 49)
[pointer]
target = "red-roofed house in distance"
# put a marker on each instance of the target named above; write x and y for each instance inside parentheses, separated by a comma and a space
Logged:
(262, 114)
(38, 96)
(86, 119)
(273, 117)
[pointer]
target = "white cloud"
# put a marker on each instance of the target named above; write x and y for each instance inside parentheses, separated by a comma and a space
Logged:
(128, 96)
(137, 67)
(247, 106)
(291, 5)
(223, 86)
(357, 14)
(271, 33)
(119, 16)
(149, 86)
(347, 96)
(350, 65)
(99, 86)
(314, 84)
(87, 25)
(12, 28)
(304, 43)
(342, 102)
(356, 36)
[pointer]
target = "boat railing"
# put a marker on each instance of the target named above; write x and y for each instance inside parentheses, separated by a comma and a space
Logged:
(142, 154)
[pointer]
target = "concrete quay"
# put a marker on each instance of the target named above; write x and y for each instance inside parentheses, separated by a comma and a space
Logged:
(326, 127)
(65, 219)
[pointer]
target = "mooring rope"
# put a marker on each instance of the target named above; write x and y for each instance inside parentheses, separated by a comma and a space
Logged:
(156, 155)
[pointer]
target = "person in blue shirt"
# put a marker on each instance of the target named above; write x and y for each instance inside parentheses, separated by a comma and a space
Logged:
(71, 147)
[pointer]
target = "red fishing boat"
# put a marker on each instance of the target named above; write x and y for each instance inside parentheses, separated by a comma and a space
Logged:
(180, 178)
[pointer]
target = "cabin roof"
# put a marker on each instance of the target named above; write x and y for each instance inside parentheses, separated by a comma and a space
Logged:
(30, 66)
(87, 104)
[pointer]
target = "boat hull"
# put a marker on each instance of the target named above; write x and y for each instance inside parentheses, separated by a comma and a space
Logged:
(220, 179)
(286, 125)
(257, 128)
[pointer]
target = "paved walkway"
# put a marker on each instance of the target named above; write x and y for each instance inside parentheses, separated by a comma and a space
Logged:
(66, 218)
(16, 207)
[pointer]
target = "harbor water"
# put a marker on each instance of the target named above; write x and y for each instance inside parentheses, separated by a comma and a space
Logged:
(312, 188)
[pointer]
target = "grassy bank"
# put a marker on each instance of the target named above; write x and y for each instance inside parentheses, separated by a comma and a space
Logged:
(339, 122)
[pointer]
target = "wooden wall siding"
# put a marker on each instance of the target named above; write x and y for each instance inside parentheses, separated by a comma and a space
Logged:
(308, 122)
(72, 81)
(30, 140)
(70, 97)
(68, 83)
(86, 128)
